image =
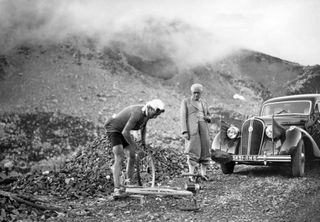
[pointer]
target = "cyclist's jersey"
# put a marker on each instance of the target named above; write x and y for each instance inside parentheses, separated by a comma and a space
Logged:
(132, 118)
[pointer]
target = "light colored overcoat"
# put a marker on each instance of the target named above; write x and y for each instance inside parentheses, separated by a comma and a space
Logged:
(198, 146)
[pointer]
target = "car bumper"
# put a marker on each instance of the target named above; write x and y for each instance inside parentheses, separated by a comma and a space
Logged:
(261, 158)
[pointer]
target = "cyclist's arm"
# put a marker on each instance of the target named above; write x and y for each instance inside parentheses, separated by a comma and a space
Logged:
(126, 130)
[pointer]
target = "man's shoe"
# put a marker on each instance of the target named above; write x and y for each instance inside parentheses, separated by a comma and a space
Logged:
(119, 194)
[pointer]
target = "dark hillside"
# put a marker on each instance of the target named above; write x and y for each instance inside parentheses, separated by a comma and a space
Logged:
(160, 58)
(307, 82)
(73, 78)
(268, 71)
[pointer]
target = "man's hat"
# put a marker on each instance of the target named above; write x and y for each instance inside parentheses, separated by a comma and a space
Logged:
(156, 104)
(196, 87)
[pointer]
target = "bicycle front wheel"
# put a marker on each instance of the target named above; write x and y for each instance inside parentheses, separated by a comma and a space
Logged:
(146, 174)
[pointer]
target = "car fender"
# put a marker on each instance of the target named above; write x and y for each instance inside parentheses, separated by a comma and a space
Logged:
(293, 137)
(315, 148)
(220, 142)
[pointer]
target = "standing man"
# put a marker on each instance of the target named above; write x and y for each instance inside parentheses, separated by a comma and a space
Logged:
(118, 128)
(195, 116)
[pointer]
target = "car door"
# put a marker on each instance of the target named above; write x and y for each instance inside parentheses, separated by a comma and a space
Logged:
(315, 133)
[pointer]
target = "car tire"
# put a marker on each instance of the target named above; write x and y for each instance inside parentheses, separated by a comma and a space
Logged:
(227, 168)
(298, 160)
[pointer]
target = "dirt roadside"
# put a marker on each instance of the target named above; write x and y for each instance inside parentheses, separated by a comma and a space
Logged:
(250, 194)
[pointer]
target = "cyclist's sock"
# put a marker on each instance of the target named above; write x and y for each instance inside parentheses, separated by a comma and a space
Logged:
(203, 170)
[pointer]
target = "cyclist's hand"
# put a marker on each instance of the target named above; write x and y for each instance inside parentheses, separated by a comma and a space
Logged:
(186, 136)
(207, 119)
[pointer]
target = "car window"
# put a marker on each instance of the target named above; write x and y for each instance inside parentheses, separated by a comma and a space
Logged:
(286, 107)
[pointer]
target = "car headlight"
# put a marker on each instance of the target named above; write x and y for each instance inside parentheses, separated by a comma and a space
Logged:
(233, 132)
(269, 131)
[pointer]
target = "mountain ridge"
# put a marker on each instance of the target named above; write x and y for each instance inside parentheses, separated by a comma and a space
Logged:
(95, 84)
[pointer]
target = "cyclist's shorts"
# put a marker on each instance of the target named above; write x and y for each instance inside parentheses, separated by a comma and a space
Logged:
(117, 138)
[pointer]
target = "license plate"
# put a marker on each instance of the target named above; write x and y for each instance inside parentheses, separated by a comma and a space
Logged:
(244, 158)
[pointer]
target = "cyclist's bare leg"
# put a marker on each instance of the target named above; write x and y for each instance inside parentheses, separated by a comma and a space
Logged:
(130, 153)
(117, 166)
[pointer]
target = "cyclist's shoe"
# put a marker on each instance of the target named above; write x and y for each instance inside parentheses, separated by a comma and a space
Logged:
(119, 194)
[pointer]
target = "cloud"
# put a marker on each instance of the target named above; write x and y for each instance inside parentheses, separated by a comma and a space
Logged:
(189, 31)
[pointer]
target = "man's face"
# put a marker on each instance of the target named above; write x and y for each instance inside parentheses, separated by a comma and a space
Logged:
(196, 95)
(154, 113)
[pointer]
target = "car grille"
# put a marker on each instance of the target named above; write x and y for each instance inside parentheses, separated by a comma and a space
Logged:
(252, 134)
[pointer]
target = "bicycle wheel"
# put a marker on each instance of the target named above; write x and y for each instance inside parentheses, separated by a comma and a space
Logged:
(145, 169)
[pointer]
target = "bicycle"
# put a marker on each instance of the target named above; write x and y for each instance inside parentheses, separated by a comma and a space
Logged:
(145, 168)
(145, 176)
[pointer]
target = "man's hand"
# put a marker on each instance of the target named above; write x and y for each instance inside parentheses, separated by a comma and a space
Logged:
(186, 136)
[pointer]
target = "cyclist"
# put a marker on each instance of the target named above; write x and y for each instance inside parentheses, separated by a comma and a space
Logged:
(134, 117)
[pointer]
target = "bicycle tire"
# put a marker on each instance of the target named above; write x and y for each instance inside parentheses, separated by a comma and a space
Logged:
(158, 191)
(145, 169)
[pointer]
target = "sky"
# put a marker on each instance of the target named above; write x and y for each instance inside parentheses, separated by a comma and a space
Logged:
(189, 31)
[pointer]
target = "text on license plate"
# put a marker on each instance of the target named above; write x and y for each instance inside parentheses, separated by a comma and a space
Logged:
(244, 157)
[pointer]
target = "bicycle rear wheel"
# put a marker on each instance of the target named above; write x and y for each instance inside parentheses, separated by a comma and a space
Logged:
(145, 169)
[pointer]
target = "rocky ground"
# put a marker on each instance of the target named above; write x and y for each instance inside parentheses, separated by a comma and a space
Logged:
(79, 189)
(55, 162)
(251, 194)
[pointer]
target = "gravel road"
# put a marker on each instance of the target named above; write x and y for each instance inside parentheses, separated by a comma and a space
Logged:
(252, 193)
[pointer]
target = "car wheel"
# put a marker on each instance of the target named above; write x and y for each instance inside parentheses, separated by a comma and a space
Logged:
(298, 160)
(227, 168)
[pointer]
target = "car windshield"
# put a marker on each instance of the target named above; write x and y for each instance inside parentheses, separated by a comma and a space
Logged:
(286, 107)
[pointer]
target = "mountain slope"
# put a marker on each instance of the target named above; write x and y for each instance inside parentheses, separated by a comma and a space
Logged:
(307, 82)
(80, 80)
(51, 78)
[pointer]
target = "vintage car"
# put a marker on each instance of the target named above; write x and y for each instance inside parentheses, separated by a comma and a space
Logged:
(286, 131)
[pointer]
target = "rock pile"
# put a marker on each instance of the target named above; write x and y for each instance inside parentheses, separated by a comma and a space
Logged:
(86, 174)
(89, 172)
(28, 138)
